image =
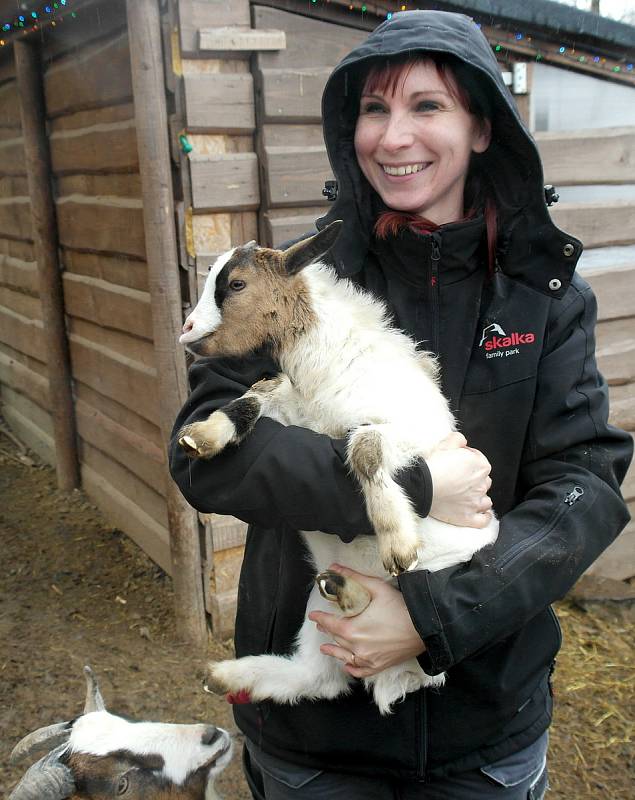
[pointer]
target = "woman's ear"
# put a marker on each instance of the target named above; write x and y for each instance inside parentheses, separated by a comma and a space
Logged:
(482, 135)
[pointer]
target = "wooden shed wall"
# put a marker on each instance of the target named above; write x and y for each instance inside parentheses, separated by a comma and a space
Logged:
(88, 97)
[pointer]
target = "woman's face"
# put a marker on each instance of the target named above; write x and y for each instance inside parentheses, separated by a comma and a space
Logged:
(414, 144)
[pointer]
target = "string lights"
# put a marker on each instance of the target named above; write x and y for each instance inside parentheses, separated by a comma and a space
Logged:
(49, 13)
(505, 38)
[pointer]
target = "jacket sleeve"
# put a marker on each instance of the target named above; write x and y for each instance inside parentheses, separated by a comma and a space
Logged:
(279, 474)
(571, 508)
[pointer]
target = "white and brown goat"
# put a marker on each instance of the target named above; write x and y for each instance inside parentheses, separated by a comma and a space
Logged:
(345, 371)
(99, 756)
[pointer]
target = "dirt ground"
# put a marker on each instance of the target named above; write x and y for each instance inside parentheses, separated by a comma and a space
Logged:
(74, 591)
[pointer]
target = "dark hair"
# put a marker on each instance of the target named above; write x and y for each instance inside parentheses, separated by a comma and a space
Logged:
(463, 83)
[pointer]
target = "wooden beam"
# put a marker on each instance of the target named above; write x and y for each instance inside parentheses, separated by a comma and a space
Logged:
(37, 157)
(596, 156)
(144, 29)
(238, 40)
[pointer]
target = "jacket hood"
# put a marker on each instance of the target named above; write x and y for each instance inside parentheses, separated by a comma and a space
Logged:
(530, 247)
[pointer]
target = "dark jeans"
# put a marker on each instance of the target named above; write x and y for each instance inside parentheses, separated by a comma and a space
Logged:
(521, 776)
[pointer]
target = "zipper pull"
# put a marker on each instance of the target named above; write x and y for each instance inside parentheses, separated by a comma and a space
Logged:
(435, 257)
(435, 254)
(574, 495)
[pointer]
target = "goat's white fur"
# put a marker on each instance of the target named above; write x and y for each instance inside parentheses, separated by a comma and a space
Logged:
(350, 369)
(100, 733)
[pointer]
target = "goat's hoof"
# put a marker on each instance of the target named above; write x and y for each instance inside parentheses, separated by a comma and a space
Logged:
(189, 445)
(395, 565)
(349, 594)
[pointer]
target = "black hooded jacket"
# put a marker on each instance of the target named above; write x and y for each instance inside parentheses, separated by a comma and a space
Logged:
(517, 359)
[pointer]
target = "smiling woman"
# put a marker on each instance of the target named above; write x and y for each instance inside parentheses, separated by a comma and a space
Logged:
(440, 190)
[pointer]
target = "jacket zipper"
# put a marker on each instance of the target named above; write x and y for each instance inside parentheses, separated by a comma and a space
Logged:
(435, 258)
(568, 502)
(421, 734)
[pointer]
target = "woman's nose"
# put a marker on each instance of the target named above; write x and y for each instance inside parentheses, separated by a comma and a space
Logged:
(397, 133)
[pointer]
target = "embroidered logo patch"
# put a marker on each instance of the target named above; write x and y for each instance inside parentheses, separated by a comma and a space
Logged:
(498, 344)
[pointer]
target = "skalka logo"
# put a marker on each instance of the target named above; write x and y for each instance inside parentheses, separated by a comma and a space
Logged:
(494, 338)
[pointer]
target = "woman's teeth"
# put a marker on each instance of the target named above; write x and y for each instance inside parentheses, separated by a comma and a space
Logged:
(406, 170)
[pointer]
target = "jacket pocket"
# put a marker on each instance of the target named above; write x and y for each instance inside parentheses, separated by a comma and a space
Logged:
(290, 775)
(522, 767)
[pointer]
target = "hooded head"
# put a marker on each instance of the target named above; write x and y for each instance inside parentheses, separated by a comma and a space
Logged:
(529, 246)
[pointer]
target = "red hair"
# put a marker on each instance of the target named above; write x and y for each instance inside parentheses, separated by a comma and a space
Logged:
(384, 78)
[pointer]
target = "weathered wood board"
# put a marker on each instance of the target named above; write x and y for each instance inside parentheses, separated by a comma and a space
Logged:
(227, 181)
(217, 101)
(104, 224)
(594, 156)
(197, 14)
(597, 224)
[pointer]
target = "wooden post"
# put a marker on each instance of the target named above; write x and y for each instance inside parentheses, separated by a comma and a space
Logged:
(36, 151)
(151, 121)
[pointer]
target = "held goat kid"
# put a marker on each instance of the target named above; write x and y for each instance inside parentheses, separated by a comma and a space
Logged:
(344, 371)
(100, 755)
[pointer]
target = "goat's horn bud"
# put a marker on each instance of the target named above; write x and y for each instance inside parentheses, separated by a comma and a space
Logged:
(94, 700)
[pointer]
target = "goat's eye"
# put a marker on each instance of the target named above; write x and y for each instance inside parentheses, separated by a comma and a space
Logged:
(236, 286)
(122, 786)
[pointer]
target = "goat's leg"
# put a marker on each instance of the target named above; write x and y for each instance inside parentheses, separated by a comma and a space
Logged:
(392, 685)
(373, 455)
(306, 674)
(231, 423)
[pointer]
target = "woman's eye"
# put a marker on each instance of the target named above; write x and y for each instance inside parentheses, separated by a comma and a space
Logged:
(427, 105)
(122, 786)
(236, 286)
(372, 108)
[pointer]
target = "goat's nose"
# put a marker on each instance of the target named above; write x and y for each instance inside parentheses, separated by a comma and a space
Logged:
(188, 326)
(210, 735)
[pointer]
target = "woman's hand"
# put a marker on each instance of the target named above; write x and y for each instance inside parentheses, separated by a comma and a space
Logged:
(460, 483)
(381, 636)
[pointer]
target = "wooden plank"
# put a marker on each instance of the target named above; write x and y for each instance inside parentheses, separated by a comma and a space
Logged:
(222, 608)
(117, 269)
(327, 43)
(596, 156)
(614, 292)
(124, 446)
(123, 513)
(225, 531)
(628, 487)
(120, 414)
(306, 135)
(18, 274)
(293, 94)
(622, 411)
(108, 305)
(229, 40)
(13, 185)
(618, 561)
(21, 420)
(9, 105)
(15, 218)
(224, 182)
(125, 380)
(21, 303)
(17, 249)
(121, 343)
(108, 224)
(196, 14)
(102, 147)
(296, 175)
(292, 226)
(98, 186)
(219, 102)
(151, 120)
(90, 78)
(615, 350)
(597, 224)
(78, 120)
(226, 569)
(127, 482)
(12, 156)
(21, 379)
(22, 333)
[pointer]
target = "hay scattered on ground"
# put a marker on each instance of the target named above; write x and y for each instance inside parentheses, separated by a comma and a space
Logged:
(592, 736)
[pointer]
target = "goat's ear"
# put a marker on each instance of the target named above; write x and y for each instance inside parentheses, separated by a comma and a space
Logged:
(303, 253)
